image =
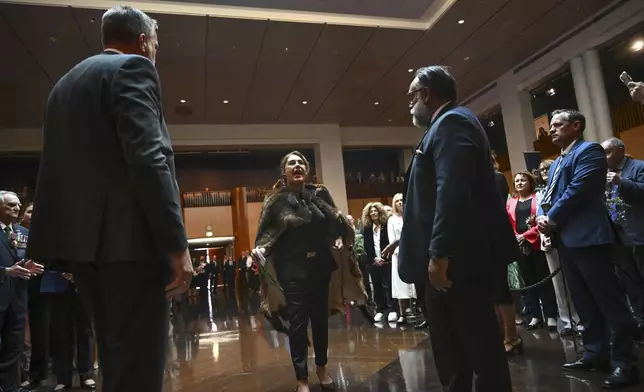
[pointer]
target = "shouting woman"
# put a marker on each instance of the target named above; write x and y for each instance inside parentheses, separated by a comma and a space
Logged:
(308, 269)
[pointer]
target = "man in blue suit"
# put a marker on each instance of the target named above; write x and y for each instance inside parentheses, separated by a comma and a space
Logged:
(14, 271)
(450, 191)
(574, 214)
(625, 182)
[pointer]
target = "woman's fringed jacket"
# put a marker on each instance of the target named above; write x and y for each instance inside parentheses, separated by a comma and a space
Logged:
(281, 209)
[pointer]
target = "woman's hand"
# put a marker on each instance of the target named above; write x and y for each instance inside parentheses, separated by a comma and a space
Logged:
(257, 255)
(339, 243)
(389, 250)
(378, 262)
(521, 239)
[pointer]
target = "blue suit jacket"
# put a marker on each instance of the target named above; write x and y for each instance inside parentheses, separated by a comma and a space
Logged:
(9, 256)
(452, 207)
(578, 204)
(631, 190)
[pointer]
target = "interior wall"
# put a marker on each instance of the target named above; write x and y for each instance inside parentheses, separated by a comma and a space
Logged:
(220, 218)
(254, 210)
(634, 141)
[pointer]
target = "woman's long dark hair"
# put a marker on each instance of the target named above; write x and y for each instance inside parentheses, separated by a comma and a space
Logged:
(281, 183)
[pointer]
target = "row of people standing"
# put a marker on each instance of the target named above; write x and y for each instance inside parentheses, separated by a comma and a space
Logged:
(46, 315)
(393, 298)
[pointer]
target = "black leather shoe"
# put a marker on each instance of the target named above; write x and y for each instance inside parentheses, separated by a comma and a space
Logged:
(587, 366)
(423, 325)
(622, 378)
(567, 332)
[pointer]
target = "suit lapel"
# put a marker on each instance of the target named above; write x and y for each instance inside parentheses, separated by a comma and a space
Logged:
(10, 249)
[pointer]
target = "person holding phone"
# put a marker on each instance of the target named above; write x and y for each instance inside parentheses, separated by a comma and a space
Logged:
(636, 89)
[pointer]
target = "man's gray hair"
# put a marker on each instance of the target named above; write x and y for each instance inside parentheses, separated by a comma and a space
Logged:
(3, 194)
(124, 24)
(614, 142)
(571, 116)
(439, 81)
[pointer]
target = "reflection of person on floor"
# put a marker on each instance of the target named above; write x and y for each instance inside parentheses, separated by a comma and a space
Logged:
(450, 177)
(300, 234)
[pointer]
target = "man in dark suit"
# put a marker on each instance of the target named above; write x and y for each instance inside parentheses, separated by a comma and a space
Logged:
(107, 200)
(14, 270)
(573, 213)
(625, 181)
(449, 186)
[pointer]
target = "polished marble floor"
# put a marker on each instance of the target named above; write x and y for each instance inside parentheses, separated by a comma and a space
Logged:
(231, 349)
(223, 345)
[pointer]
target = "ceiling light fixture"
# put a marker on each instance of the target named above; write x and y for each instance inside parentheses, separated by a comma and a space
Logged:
(461, 21)
(410, 70)
(490, 124)
(225, 101)
(376, 103)
(286, 49)
(551, 92)
(467, 58)
(183, 101)
(304, 102)
(637, 45)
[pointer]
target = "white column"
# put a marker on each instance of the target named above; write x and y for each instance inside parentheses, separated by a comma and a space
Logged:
(583, 95)
(329, 166)
(518, 121)
(599, 99)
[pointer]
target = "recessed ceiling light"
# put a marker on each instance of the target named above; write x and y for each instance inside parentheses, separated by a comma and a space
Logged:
(304, 102)
(410, 70)
(390, 120)
(376, 103)
(183, 101)
(637, 45)
(467, 58)
(225, 101)
(286, 49)
(461, 21)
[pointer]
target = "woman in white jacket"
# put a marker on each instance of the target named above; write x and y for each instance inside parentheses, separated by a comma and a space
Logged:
(567, 312)
(400, 290)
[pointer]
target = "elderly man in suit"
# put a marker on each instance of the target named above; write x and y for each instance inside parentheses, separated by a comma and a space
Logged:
(450, 185)
(14, 270)
(573, 213)
(625, 181)
(107, 200)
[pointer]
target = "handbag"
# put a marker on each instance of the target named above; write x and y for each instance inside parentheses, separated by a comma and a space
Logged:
(515, 280)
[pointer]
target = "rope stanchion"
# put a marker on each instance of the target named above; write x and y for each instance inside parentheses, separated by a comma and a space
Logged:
(539, 283)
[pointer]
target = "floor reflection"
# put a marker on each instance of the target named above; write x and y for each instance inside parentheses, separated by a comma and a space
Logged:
(223, 344)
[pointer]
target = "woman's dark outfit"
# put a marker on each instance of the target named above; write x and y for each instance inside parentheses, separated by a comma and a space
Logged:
(534, 267)
(380, 275)
(303, 266)
(504, 296)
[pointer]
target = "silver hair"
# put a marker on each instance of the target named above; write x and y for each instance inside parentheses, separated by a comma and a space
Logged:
(571, 116)
(3, 194)
(124, 25)
(614, 142)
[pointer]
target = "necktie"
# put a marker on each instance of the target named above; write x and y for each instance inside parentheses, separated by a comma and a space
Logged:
(7, 230)
(547, 195)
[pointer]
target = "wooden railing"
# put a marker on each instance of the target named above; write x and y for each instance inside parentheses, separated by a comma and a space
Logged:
(627, 116)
